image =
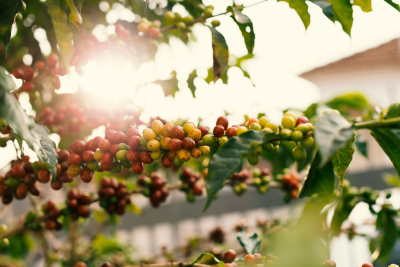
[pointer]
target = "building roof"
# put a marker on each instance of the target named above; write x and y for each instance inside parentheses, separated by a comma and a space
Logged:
(387, 54)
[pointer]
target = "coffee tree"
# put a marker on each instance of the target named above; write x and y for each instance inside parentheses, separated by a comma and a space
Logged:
(305, 152)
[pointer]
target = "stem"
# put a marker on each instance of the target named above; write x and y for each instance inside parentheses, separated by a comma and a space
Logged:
(377, 123)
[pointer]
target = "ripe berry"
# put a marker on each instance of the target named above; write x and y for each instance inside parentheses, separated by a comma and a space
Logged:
(251, 121)
(195, 152)
(145, 157)
(197, 190)
(104, 145)
(205, 150)
(249, 260)
(164, 142)
(78, 147)
(28, 73)
(203, 130)
(171, 154)
(175, 144)
(40, 65)
(114, 149)
(132, 155)
(107, 158)
(240, 130)
(154, 32)
(301, 120)
(52, 61)
(18, 171)
(231, 132)
(21, 191)
(299, 153)
(195, 134)
(44, 176)
(28, 86)
(106, 264)
(166, 162)
(258, 258)
(74, 170)
(189, 143)
(75, 159)
(229, 256)
(367, 265)
(117, 137)
(153, 145)
(157, 125)
(184, 155)
(177, 132)
(218, 131)
(133, 131)
(137, 167)
(18, 73)
(222, 120)
(134, 142)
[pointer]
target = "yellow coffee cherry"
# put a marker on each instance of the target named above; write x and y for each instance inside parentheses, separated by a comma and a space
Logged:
(240, 130)
(223, 140)
(149, 134)
(74, 170)
(263, 121)
(273, 126)
(164, 142)
(292, 114)
(195, 134)
(157, 126)
(195, 152)
(205, 150)
(98, 154)
(156, 154)
(288, 122)
(188, 127)
(153, 145)
(184, 155)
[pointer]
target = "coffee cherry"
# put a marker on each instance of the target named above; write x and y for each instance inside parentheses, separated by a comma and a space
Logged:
(223, 121)
(258, 258)
(301, 120)
(21, 191)
(249, 260)
(132, 155)
(203, 130)
(167, 130)
(117, 137)
(166, 162)
(215, 23)
(189, 143)
(209, 140)
(98, 154)
(171, 154)
(153, 145)
(178, 162)
(44, 176)
(273, 126)
(330, 111)
(40, 65)
(170, 16)
(223, 140)
(184, 155)
(107, 158)
(175, 144)
(263, 121)
(143, 27)
(231, 132)
(302, 128)
(28, 73)
(181, 25)
(75, 159)
(78, 147)
(177, 132)
(154, 32)
(134, 142)
(157, 125)
(132, 132)
(104, 145)
(195, 134)
(187, 127)
(240, 130)
(196, 153)
(86, 175)
(296, 136)
(18, 171)
(251, 121)
(255, 127)
(229, 256)
(329, 263)
(367, 265)
(52, 61)
(288, 122)
(253, 159)
(308, 142)
(145, 157)
(205, 150)
(87, 156)
(74, 170)
(299, 153)
(28, 86)
(149, 134)
(208, 13)
(218, 131)
(156, 154)
(18, 73)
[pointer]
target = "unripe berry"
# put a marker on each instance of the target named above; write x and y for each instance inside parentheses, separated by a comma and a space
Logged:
(240, 130)
(93, 165)
(170, 16)
(205, 150)
(143, 27)
(143, 141)
(258, 258)
(273, 126)
(164, 142)
(184, 155)
(288, 122)
(195, 134)
(229, 256)
(330, 263)
(253, 159)
(263, 121)
(296, 136)
(302, 128)
(292, 114)
(251, 121)
(209, 140)
(121, 155)
(187, 127)
(255, 127)
(149, 134)
(156, 154)
(157, 126)
(223, 140)
(181, 25)
(208, 13)
(153, 145)
(178, 162)
(249, 260)
(285, 134)
(308, 142)
(74, 170)
(98, 154)
(299, 153)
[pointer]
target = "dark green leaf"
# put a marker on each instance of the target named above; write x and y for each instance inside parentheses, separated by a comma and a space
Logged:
(319, 179)
(9, 9)
(393, 111)
(220, 54)
(251, 244)
(302, 165)
(301, 8)
(36, 136)
(63, 34)
(386, 225)
(245, 26)
(341, 160)
(389, 140)
(362, 146)
(326, 8)
(229, 159)
(208, 255)
(342, 212)
(343, 12)
(393, 4)
(332, 132)
(364, 4)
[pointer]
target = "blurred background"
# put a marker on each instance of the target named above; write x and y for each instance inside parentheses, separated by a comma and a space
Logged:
(291, 67)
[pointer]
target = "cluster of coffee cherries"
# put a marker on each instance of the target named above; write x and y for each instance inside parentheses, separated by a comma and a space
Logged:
(173, 144)
(238, 181)
(77, 204)
(290, 184)
(113, 196)
(152, 28)
(251, 260)
(183, 24)
(190, 184)
(82, 264)
(18, 181)
(53, 213)
(261, 179)
(29, 74)
(154, 188)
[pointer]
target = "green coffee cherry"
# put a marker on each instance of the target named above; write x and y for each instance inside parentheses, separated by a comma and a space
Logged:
(126, 164)
(13, 182)
(255, 127)
(178, 162)
(188, 19)
(243, 187)
(262, 189)
(3, 124)
(215, 23)
(181, 25)
(208, 13)
(296, 136)
(299, 153)
(269, 147)
(170, 16)
(285, 134)
(190, 197)
(253, 159)
(178, 16)
(256, 172)
(257, 181)
(209, 140)
(258, 151)
(143, 141)
(30, 217)
(93, 165)
(146, 192)
(4, 243)
(265, 179)
(117, 168)
(304, 128)
(288, 122)
(308, 142)
(263, 121)
(3, 228)
(121, 155)
(103, 203)
(276, 148)
(35, 166)
(123, 146)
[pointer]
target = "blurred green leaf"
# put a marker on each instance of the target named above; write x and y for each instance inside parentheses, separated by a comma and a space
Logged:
(190, 82)
(6, 82)
(389, 141)
(220, 55)
(393, 111)
(361, 145)
(251, 244)
(9, 10)
(320, 179)
(103, 244)
(341, 160)
(281, 159)
(199, 258)
(349, 100)
(63, 34)
(169, 86)
(311, 111)
(342, 211)
(391, 180)
(301, 8)
(20, 245)
(386, 225)
(343, 12)
(245, 25)
(364, 4)
(74, 17)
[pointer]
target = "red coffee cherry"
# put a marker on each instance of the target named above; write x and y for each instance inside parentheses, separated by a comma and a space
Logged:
(40, 65)
(75, 159)
(57, 185)
(91, 146)
(107, 158)
(145, 157)
(203, 130)
(137, 167)
(104, 145)
(177, 132)
(106, 167)
(63, 155)
(109, 133)
(96, 141)
(132, 155)
(166, 162)
(366, 265)
(198, 191)
(189, 143)
(301, 120)
(175, 144)
(154, 32)
(114, 149)
(44, 176)
(28, 86)
(223, 121)
(249, 260)
(231, 132)
(117, 137)
(106, 264)
(52, 61)
(218, 131)
(80, 264)
(258, 258)
(133, 131)
(18, 73)
(86, 175)
(134, 142)
(19, 171)
(88, 156)
(229, 256)
(28, 73)
(78, 147)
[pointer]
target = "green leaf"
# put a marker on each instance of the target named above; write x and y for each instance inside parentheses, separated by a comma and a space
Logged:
(245, 25)
(169, 86)
(392, 180)
(341, 160)
(79, 4)
(386, 225)
(326, 8)
(301, 8)
(342, 211)
(319, 179)
(63, 34)
(343, 12)
(349, 100)
(220, 54)
(251, 244)
(74, 17)
(229, 159)
(361, 145)
(36, 136)
(19, 140)
(6, 82)
(364, 4)
(393, 111)
(393, 4)
(332, 132)
(311, 111)
(281, 159)
(208, 255)
(9, 9)
(190, 82)
(389, 141)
